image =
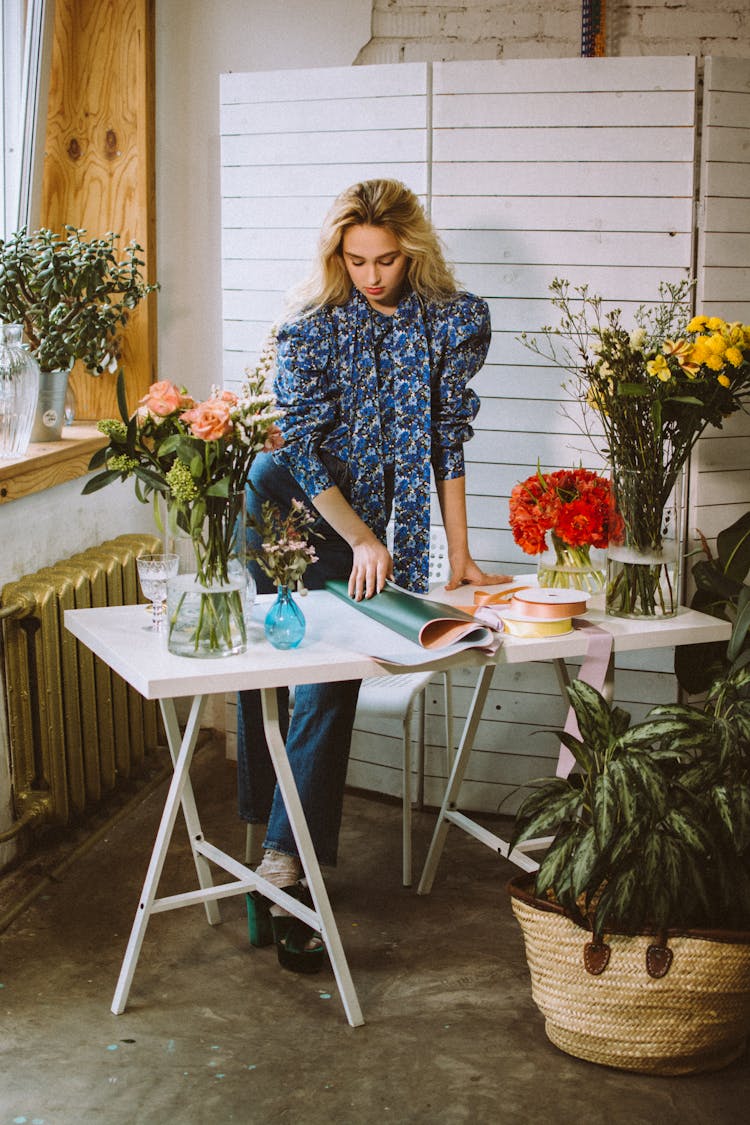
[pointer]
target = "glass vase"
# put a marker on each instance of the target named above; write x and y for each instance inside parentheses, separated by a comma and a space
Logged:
(207, 610)
(19, 391)
(574, 568)
(206, 620)
(645, 547)
(285, 621)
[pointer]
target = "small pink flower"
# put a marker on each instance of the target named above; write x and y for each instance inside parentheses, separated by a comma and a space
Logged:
(209, 420)
(163, 398)
(274, 439)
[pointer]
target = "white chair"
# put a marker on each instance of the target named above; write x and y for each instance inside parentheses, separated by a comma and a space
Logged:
(400, 697)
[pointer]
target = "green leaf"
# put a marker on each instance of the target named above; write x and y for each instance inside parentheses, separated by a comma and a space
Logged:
(548, 820)
(604, 810)
(593, 715)
(741, 625)
(687, 831)
(98, 458)
(733, 548)
(583, 865)
(122, 398)
(554, 864)
(100, 481)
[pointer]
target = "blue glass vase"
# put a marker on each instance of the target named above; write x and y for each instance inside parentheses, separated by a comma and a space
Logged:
(285, 621)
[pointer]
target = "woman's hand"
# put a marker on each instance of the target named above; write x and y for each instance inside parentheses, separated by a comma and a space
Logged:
(371, 565)
(466, 572)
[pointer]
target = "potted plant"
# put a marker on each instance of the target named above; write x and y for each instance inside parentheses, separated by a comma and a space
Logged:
(637, 922)
(72, 295)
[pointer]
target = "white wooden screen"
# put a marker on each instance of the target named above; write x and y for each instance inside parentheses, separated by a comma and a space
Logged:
(720, 478)
(579, 168)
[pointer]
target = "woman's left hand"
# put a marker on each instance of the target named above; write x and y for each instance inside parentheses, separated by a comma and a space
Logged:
(467, 573)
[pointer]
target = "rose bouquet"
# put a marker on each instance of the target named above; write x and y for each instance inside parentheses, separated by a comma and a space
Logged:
(196, 456)
(652, 389)
(574, 507)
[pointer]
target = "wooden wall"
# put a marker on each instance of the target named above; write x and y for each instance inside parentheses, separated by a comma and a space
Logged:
(578, 168)
(99, 158)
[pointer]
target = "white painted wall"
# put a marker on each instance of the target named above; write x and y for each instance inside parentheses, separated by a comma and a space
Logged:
(196, 41)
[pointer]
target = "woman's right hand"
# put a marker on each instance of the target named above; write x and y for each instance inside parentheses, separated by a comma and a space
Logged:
(371, 565)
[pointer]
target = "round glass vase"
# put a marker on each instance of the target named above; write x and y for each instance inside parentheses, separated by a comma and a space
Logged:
(207, 610)
(19, 392)
(644, 556)
(285, 622)
(573, 568)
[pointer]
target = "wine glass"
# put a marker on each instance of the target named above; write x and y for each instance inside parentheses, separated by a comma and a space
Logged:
(153, 573)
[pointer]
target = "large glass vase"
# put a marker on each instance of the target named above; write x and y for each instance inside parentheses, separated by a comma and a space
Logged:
(19, 391)
(207, 614)
(645, 547)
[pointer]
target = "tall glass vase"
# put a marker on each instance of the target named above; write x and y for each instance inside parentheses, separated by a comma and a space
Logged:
(645, 547)
(206, 609)
(19, 391)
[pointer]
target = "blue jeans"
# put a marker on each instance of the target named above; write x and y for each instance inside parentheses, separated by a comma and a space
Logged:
(318, 737)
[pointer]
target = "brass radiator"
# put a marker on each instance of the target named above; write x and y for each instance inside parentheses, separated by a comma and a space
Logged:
(74, 726)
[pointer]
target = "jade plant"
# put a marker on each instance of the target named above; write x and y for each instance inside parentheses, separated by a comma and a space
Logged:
(71, 294)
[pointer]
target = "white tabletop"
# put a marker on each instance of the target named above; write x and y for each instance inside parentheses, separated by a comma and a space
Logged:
(333, 645)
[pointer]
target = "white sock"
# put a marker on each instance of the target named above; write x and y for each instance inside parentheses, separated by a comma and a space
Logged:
(281, 870)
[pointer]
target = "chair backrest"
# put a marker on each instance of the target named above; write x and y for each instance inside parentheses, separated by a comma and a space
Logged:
(439, 568)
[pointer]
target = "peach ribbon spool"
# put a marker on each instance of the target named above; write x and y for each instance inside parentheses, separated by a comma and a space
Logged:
(548, 603)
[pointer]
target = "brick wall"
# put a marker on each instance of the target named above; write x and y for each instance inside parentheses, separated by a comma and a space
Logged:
(438, 30)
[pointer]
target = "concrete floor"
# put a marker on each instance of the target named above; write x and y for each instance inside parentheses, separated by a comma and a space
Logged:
(216, 1032)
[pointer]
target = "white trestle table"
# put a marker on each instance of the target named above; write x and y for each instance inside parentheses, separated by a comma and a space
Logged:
(332, 650)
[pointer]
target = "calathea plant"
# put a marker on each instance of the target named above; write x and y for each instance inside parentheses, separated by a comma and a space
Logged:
(652, 829)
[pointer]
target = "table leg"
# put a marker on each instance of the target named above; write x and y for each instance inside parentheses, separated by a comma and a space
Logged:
(189, 810)
(308, 858)
(177, 788)
(460, 763)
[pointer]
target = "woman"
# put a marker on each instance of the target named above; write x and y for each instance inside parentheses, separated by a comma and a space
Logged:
(372, 377)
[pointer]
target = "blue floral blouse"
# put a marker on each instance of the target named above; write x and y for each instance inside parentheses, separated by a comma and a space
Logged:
(383, 394)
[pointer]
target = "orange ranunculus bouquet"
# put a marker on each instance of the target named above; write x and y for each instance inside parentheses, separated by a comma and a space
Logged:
(194, 455)
(572, 505)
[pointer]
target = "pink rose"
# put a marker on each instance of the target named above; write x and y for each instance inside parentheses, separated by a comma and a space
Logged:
(209, 420)
(274, 439)
(163, 398)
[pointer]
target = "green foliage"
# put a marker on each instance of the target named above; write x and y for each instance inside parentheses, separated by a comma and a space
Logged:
(71, 295)
(652, 830)
(721, 590)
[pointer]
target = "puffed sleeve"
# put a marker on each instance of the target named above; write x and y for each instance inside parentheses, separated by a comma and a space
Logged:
(308, 396)
(462, 340)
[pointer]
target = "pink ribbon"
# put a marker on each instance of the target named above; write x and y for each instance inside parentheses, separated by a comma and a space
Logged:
(593, 672)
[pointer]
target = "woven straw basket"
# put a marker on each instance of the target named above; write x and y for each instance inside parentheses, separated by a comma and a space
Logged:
(696, 1016)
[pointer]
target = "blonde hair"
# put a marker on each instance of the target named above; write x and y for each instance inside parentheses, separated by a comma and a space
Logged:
(376, 203)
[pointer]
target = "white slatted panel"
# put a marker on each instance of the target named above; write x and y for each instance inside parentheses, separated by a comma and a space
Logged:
(290, 142)
(720, 485)
(532, 169)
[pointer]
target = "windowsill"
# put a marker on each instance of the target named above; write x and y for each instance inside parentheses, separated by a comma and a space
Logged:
(48, 463)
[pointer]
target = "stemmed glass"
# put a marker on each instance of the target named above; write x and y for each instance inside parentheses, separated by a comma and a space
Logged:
(153, 573)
